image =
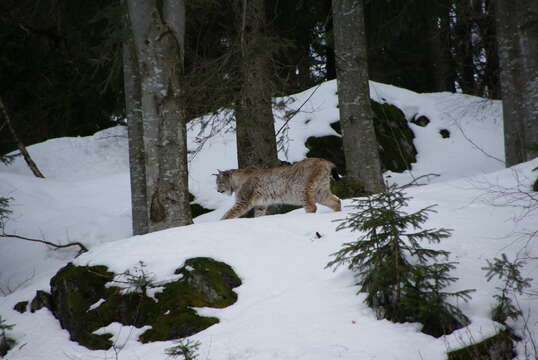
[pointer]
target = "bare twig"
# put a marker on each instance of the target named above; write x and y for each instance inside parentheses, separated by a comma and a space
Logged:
(298, 109)
(415, 180)
(82, 250)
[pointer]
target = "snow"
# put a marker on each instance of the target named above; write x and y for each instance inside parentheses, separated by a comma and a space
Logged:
(289, 306)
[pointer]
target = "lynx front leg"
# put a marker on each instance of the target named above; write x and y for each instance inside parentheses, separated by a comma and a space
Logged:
(237, 210)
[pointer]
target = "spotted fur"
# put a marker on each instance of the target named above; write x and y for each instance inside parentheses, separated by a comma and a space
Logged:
(304, 183)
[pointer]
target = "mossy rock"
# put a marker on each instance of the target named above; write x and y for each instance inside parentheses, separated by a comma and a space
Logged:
(422, 121)
(346, 189)
(395, 138)
(21, 306)
(40, 301)
(197, 209)
(498, 347)
(74, 289)
(328, 148)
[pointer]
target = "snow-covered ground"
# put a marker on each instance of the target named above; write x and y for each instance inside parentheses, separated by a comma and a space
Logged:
(289, 306)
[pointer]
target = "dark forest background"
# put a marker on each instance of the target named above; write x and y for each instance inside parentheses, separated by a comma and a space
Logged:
(61, 61)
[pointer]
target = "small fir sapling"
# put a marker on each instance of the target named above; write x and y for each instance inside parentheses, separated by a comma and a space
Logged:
(6, 343)
(403, 280)
(509, 272)
(136, 281)
(185, 349)
(4, 212)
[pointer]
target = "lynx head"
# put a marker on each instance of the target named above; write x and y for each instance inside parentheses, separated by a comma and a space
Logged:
(224, 182)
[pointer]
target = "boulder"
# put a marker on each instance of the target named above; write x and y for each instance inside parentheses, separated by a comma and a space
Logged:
(499, 347)
(21, 306)
(83, 302)
(40, 301)
(394, 136)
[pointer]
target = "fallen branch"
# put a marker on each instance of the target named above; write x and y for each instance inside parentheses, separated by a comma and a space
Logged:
(82, 250)
(31, 164)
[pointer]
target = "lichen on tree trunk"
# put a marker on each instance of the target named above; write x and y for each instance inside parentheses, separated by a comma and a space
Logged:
(158, 31)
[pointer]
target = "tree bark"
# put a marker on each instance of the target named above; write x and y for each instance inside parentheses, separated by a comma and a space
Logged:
(255, 126)
(489, 34)
(464, 47)
(517, 34)
(133, 109)
(360, 145)
(158, 33)
(438, 46)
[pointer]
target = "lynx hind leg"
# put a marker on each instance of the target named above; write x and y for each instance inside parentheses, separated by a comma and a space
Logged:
(260, 210)
(310, 192)
(330, 200)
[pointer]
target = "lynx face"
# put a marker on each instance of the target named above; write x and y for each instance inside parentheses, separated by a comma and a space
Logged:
(224, 184)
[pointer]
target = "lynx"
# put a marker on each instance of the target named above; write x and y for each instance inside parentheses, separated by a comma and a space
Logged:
(303, 183)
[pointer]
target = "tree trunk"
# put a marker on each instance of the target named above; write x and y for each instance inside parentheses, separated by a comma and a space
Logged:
(489, 34)
(438, 46)
(360, 145)
(158, 33)
(131, 76)
(255, 126)
(330, 65)
(517, 34)
(464, 47)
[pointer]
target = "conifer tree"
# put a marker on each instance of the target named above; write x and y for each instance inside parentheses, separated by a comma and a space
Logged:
(403, 280)
(6, 343)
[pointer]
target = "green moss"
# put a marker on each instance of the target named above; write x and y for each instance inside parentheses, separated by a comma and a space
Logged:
(499, 347)
(178, 324)
(205, 283)
(73, 290)
(395, 137)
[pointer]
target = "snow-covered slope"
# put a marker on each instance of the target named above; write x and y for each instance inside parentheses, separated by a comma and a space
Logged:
(289, 306)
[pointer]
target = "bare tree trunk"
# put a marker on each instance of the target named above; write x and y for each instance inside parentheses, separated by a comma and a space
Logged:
(489, 34)
(360, 145)
(31, 164)
(464, 47)
(438, 47)
(517, 34)
(158, 33)
(133, 106)
(255, 126)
